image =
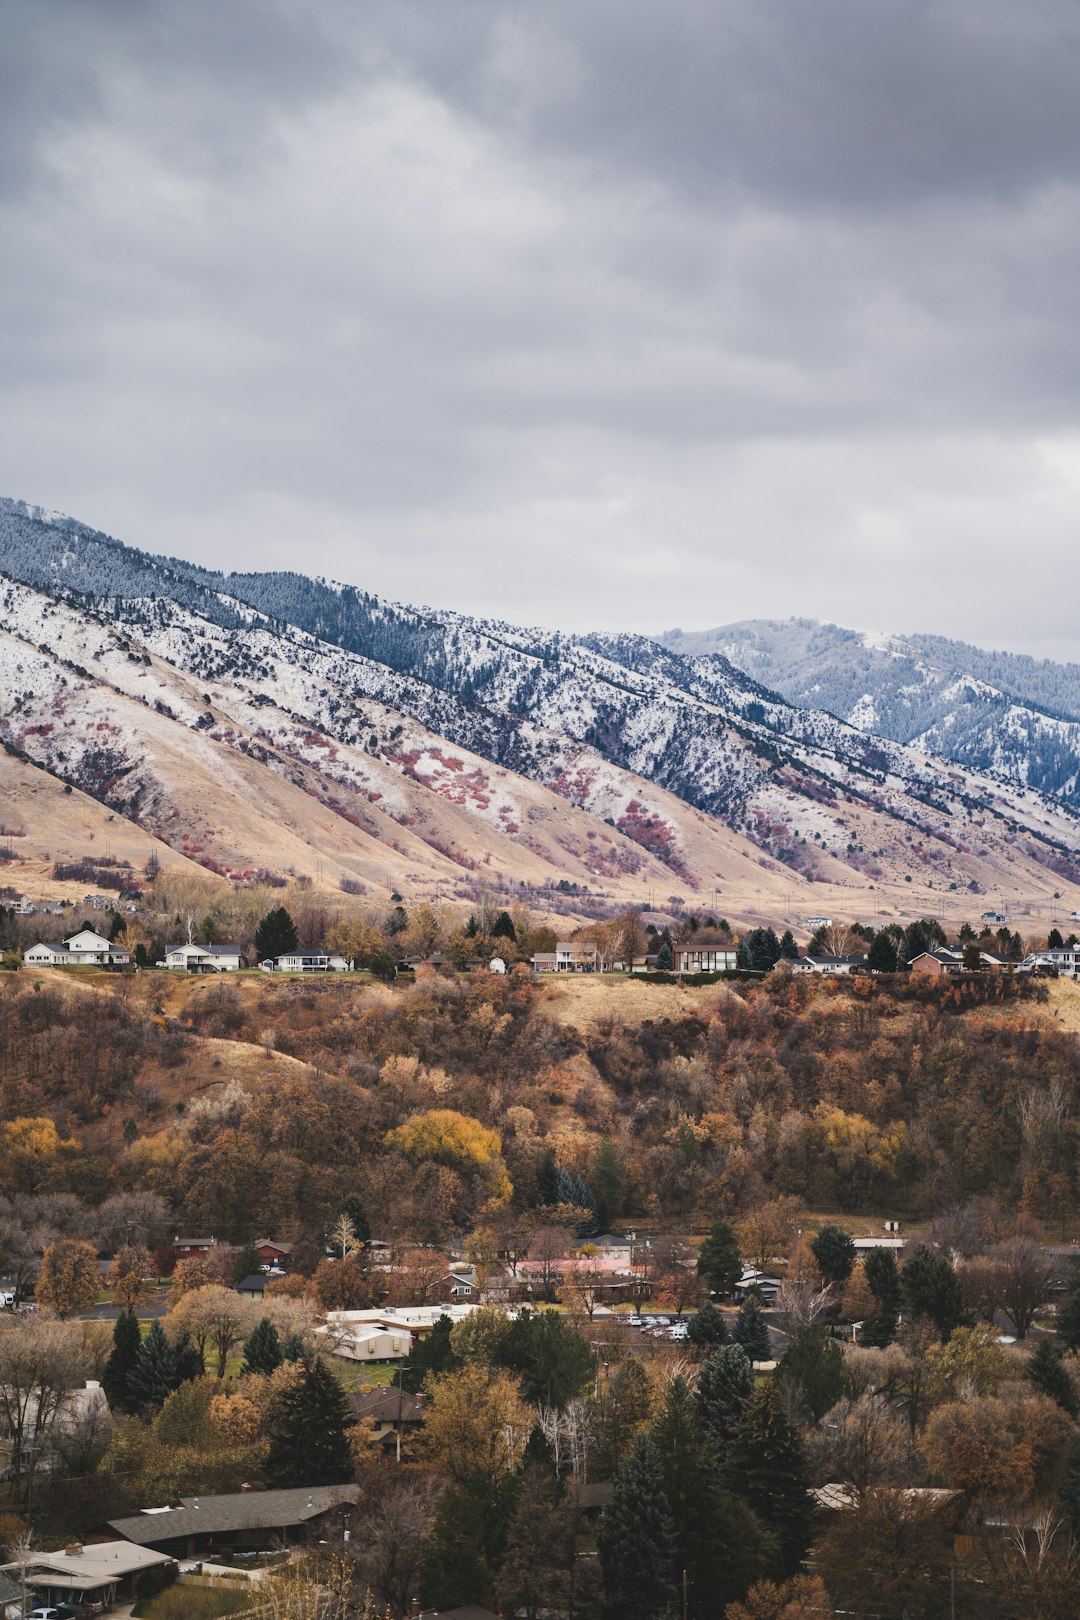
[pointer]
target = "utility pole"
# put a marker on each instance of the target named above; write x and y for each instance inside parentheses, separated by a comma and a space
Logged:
(685, 1596)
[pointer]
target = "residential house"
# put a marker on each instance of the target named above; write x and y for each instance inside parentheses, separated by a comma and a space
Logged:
(197, 1525)
(205, 958)
(569, 956)
(704, 959)
(993, 917)
(272, 1253)
(77, 1411)
(99, 1572)
(82, 949)
(829, 964)
(253, 1287)
(947, 960)
(186, 1247)
(391, 1412)
(306, 962)
(1065, 962)
(10, 1597)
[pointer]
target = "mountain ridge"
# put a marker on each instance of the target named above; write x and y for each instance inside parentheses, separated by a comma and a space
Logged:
(684, 763)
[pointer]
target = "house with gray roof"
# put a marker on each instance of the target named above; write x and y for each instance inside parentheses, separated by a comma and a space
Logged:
(196, 1525)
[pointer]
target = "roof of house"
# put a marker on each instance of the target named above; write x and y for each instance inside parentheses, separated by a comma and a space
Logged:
(255, 1284)
(381, 1406)
(97, 1564)
(10, 1591)
(205, 950)
(835, 1498)
(272, 1243)
(240, 1510)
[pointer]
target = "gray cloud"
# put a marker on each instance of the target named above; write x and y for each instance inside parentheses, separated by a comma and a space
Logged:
(586, 314)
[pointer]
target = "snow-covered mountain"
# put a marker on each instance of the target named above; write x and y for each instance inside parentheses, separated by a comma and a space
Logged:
(544, 758)
(992, 711)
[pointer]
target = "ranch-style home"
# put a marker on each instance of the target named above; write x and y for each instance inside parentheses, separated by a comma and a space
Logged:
(205, 958)
(828, 964)
(306, 962)
(82, 949)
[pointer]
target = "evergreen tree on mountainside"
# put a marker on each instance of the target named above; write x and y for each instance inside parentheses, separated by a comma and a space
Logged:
(293, 1348)
(789, 950)
(262, 1349)
(609, 1179)
(883, 1277)
(717, 1541)
(834, 1252)
(248, 1263)
(547, 1180)
(1045, 1368)
(718, 1260)
(503, 928)
(553, 1362)
(925, 935)
(432, 1355)
(766, 1466)
(636, 1541)
(752, 1331)
(189, 1361)
(1068, 1322)
(665, 958)
(724, 1388)
(707, 1328)
(764, 949)
(882, 956)
(127, 1340)
(811, 1372)
(152, 1378)
(931, 1288)
(308, 1444)
(456, 1569)
(276, 935)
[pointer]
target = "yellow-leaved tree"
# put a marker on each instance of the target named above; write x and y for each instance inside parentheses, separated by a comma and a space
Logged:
(443, 1136)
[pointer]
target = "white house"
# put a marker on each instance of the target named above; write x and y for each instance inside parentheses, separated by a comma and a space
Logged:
(828, 964)
(204, 958)
(568, 957)
(1066, 962)
(306, 962)
(85, 947)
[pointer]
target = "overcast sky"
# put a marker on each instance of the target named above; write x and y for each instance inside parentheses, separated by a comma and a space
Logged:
(594, 314)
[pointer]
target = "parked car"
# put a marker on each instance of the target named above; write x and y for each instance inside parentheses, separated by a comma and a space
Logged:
(44, 1612)
(7, 1299)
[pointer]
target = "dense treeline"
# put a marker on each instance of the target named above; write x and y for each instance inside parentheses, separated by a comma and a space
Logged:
(896, 1096)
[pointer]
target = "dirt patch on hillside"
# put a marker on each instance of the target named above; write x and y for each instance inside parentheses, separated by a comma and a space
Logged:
(589, 1000)
(1064, 1004)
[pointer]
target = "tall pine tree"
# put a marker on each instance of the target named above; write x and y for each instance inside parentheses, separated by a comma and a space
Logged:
(724, 1389)
(153, 1376)
(262, 1350)
(127, 1339)
(637, 1540)
(752, 1331)
(718, 1543)
(766, 1466)
(308, 1445)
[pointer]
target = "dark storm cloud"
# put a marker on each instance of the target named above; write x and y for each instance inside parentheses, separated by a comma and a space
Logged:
(747, 309)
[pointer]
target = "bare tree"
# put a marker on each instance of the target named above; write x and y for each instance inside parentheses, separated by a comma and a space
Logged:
(42, 1364)
(1027, 1272)
(548, 1251)
(799, 1304)
(861, 1442)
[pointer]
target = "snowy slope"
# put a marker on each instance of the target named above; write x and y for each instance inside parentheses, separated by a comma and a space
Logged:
(679, 763)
